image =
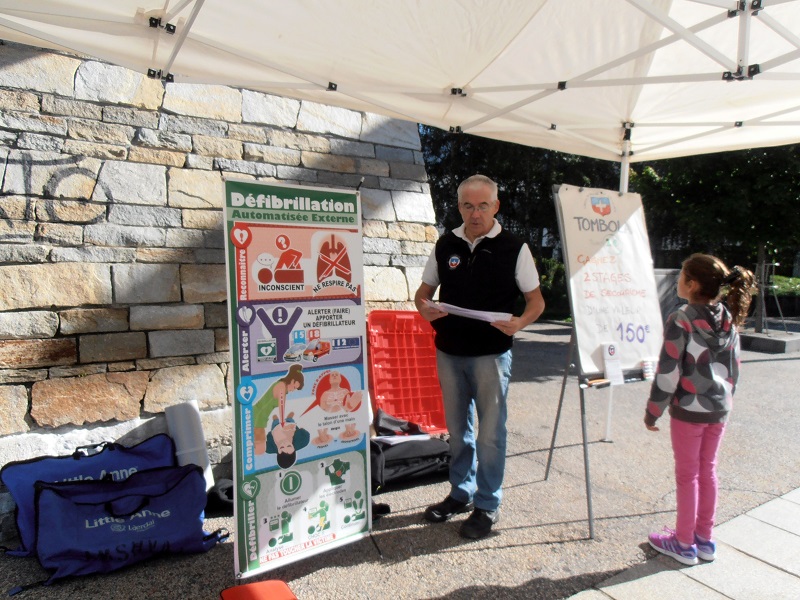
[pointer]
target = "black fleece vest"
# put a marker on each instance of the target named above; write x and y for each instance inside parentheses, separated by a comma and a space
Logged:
(480, 280)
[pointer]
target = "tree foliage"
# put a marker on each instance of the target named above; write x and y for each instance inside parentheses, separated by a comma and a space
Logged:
(525, 177)
(729, 204)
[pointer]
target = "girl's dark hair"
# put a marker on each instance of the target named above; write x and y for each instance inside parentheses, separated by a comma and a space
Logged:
(711, 274)
(295, 374)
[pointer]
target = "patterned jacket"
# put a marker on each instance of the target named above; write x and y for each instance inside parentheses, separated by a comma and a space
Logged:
(698, 367)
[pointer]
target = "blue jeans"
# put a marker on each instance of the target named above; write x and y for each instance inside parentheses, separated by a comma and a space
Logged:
(471, 383)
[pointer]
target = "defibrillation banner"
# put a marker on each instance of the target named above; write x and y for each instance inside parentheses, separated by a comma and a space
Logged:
(298, 359)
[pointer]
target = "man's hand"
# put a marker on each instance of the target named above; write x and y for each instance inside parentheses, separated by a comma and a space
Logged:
(509, 327)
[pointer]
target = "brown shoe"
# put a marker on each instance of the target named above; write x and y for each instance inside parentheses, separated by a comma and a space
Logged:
(446, 509)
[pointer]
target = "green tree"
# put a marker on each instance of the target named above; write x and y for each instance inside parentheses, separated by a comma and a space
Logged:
(740, 206)
(525, 177)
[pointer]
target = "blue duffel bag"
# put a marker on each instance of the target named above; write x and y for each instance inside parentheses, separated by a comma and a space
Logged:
(108, 460)
(100, 526)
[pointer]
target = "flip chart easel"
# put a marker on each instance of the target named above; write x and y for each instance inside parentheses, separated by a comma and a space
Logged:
(613, 296)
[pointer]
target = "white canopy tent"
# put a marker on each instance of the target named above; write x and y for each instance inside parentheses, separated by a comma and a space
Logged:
(622, 80)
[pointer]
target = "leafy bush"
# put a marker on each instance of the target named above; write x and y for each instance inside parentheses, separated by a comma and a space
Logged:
(553, 278)
(786, 286)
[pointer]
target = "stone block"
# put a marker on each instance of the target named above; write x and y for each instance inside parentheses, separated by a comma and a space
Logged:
(59, 234)
(163, 140)
(157, 157)
(40, 142)
(109, 347)
(164, 255)
(414, 207)
(414, 232)
(144, 216)
(202, 383)
(258, 107)
(17, 232)
(390, 132)
(23, 101)
(43, 285)
(383, 284)
(328, 162)
(14, 400)
(247, 133)
(130, 116)
(94, 254)
(220, 147)
(71, 108)
(195, 189)
(280, 138)
(180, 343)
(94, 320)
(101, 82)
(324, 119)
(90, 399)
(203, 283)
(377, 205)
(40, 71)
(102, 151)
(124, 235)
(33, 123)
(167, 317)
(22, 375)
(129, 183)
(50, 174)
(272, 154)
(28, 325)
(351, 148)
(69, 211)
(203, 100)
(192, 125)
(403, 170)
(216, 315)
(202, 219)
(146, 284)
(99, 132)
(30, 354)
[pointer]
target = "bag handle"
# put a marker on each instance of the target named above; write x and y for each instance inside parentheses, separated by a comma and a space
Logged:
(82, 451)
(114, 512)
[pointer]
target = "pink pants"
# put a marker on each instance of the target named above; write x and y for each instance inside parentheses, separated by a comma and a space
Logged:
(695, 448)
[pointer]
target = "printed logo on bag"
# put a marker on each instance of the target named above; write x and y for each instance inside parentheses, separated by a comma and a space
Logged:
(130, 523)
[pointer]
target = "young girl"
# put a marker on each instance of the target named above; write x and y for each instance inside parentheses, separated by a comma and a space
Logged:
(697, 374)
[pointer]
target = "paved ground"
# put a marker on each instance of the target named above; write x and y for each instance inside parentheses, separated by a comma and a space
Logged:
(541, 549)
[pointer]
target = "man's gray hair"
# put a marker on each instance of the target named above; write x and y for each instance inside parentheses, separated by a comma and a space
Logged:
(479, 180)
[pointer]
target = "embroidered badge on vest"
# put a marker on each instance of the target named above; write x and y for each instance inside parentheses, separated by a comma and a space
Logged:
(454, 261)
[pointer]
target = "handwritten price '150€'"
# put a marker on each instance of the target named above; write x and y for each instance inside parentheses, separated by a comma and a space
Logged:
(631, 332)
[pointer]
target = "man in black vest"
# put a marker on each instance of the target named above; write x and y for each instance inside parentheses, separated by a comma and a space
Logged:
(482, 267)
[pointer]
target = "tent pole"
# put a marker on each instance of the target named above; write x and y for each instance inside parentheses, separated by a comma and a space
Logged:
(624, 169)
(625, 163)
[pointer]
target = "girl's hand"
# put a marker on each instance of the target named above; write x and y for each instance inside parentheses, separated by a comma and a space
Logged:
(651, 427)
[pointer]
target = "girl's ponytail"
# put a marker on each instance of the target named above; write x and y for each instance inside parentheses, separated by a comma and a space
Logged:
(741, 284)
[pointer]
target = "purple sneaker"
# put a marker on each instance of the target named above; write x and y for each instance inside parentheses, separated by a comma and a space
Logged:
(705, 550)
(667, 543)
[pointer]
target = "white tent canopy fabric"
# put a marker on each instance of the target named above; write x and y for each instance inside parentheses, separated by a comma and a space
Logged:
(622, 80)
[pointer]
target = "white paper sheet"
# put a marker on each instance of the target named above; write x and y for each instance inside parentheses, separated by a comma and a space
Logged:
(480, 315)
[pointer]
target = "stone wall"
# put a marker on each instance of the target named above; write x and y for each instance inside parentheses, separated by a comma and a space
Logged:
(112, 266)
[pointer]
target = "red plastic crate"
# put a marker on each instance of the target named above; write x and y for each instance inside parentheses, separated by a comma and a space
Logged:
(403, 379)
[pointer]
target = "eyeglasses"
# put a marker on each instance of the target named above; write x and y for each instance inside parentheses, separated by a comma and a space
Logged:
(482, 207)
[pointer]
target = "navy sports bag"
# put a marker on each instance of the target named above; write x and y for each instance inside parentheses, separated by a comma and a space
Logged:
(113, 461)
(100, 526)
